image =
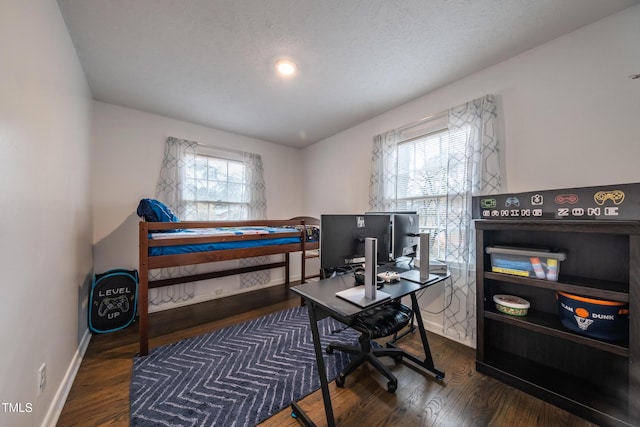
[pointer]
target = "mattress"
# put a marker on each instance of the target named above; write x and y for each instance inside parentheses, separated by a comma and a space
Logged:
(273, 232)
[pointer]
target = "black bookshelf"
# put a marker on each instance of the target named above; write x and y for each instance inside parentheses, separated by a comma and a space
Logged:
(595, 379)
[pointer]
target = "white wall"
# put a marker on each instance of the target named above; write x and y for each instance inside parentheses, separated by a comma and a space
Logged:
(127, 154)
(45, 237)
(571, 118)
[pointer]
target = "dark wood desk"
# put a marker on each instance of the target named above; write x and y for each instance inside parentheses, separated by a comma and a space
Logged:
(321, 300)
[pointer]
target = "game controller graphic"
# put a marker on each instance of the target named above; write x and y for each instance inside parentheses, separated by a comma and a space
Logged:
(561, 199)
(389, 276)
(487, 203)
(537, 199)
(116, 303)
(616, 196)
(512, 201)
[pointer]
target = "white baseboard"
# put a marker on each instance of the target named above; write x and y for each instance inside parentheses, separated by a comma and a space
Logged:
(434, 327)
(210, 297)
(467, 343)
(438, 328)
(55, 409)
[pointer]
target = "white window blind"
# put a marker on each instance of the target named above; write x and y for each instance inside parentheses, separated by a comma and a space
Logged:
(219, 189)
(429, 171)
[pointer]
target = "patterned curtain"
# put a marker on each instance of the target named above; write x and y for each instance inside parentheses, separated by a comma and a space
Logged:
(254, 181)
(174, 190)
(477, 121)
(257, 209)
(384, 170)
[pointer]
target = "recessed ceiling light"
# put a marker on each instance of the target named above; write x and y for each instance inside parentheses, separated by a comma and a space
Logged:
(286, 67)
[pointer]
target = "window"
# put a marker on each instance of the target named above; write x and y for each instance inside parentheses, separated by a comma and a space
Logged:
(434, 166)
(218, 187)
(427, 176)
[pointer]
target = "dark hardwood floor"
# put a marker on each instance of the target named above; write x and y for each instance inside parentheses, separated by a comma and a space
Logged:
(100, 393)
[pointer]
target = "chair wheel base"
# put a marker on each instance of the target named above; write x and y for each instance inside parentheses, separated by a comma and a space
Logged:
(392, 386)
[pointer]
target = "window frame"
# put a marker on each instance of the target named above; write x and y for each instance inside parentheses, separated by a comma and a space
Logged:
(214, 205)
(438, 231)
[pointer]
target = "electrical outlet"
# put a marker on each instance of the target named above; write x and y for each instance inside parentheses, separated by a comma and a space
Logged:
(42, 378)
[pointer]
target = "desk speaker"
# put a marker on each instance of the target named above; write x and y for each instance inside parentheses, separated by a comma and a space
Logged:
(424, 256)
(370, 267)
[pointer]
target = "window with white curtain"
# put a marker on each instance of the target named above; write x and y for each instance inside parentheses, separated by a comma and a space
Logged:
(425, 179)
(434, 166)
(218, 189)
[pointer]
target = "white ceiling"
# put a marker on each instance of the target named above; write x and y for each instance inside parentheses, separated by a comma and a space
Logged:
(210, 62)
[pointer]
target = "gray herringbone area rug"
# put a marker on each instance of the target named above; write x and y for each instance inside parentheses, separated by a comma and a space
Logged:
(236, 376)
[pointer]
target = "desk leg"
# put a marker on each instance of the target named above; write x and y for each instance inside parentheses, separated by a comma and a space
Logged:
(322, 371)
(427, 363)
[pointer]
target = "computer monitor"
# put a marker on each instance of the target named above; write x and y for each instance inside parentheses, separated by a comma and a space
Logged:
(342, 239)
(405, 231)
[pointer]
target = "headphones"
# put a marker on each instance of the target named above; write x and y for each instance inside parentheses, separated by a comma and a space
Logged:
(358, 275)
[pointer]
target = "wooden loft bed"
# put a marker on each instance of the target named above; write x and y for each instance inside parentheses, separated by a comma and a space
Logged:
(160, 246)
(313, 251)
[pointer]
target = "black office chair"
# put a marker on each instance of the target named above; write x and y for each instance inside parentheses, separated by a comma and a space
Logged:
(378, 322)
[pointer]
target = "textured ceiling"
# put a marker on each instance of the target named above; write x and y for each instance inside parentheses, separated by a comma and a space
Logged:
(211, 62)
